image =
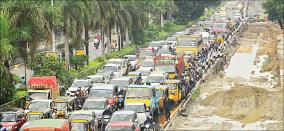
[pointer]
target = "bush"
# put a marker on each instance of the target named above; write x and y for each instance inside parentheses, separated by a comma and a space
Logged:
(78, 61)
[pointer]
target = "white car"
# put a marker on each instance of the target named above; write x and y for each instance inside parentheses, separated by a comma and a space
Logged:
(148, 64)
(110, 71)
(97, 79)
(84, 84)
(123, 63)
(133, 61)
(156, 77)
(139, 108)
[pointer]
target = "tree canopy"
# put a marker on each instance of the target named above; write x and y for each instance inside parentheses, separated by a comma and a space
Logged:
(275, 10)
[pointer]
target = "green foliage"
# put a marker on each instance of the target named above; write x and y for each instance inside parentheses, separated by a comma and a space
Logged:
(49, 66)
(192, 9)
(6, 85)
(275, 10)
(78, 61)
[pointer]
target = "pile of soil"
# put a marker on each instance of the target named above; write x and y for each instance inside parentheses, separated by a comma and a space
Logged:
(267, 46)
(247, 104)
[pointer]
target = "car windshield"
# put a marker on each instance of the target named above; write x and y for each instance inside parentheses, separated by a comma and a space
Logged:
(80, 83)
(8, 117)
(172, 86)
(139, 92)
(60, 105)
(117, 128)
(186, 43)
(120, 117)
(120, 83)
(38, 95)
(136, 108)
(147, 63)
(114, 62)
(131, 58)
(164, 51)
(79, 116)
(146, 53)
(155, 79)
(160, 92)
(155, 44)
(78, 127)
(166, 68)
(109, 69)
(94, 105)
(97, 79)
(220, 25)
(34, 117)
(101, 93)
(38, 104)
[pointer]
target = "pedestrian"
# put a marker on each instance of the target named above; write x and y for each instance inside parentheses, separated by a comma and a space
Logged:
(167, 108)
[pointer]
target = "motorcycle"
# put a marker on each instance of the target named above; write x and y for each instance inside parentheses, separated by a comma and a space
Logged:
(120, 104)
(149, 127)
(105, 121)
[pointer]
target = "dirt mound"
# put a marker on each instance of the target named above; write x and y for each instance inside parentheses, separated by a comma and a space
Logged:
(246, 104)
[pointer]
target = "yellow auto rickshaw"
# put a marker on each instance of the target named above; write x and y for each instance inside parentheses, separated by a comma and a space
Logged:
(30, 116)
(163, 90)
(175, 90)
(64, 106)
(82, 125)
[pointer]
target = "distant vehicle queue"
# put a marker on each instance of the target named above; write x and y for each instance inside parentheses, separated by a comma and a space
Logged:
(128, 93)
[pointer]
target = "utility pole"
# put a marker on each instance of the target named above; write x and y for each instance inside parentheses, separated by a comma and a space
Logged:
(52, 34)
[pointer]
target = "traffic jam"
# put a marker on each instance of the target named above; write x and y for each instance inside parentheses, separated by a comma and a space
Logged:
(131, 93)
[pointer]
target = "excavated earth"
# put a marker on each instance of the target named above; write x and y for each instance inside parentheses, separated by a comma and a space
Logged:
(248, 96)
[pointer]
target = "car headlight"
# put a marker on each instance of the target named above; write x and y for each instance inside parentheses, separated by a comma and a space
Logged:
(147, 125)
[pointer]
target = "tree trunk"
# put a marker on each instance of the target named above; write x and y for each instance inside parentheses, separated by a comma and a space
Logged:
(109, 44)
(102, 40)
(66, 49)
(162, 20)
(280, 24)
(126, 35)
(118, 37)
(87, 37)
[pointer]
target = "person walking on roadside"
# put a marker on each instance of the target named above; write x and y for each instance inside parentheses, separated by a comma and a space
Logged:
(167, 108)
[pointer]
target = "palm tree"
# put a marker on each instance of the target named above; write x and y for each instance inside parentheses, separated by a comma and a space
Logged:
(72, 19)
(9, 48)
(28, 15)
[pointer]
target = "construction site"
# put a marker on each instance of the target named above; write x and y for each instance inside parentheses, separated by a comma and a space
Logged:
(248, 94)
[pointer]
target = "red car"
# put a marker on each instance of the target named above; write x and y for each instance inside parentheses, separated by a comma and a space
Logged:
(11, 119)
(121, 126)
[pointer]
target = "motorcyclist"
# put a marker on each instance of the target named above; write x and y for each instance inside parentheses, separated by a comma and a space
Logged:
(139, 79)
(149, 121)
(107, 111)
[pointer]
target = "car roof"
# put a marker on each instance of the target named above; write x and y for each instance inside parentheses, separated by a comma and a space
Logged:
(139, 86)
(130, 56)
(109, 64)
(101, 86)
(124, 112)
(12, 110)
(82, 112)
(172, 81)
(119, 124)
(122, 78)
(96, 99)
(42, 100)
(115, 59)
(148, 59)
(155, 73)
(91, 76)
(57, 123)
(135, 103)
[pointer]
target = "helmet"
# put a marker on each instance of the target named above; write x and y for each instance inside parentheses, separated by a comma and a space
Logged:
(149, 117)
(108, 107)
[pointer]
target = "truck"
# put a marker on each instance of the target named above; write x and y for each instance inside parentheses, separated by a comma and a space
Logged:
(43, 87)
(189, 44)
(173, 65)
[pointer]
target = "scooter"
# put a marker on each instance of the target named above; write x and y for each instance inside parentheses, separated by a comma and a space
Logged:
(149, 127)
